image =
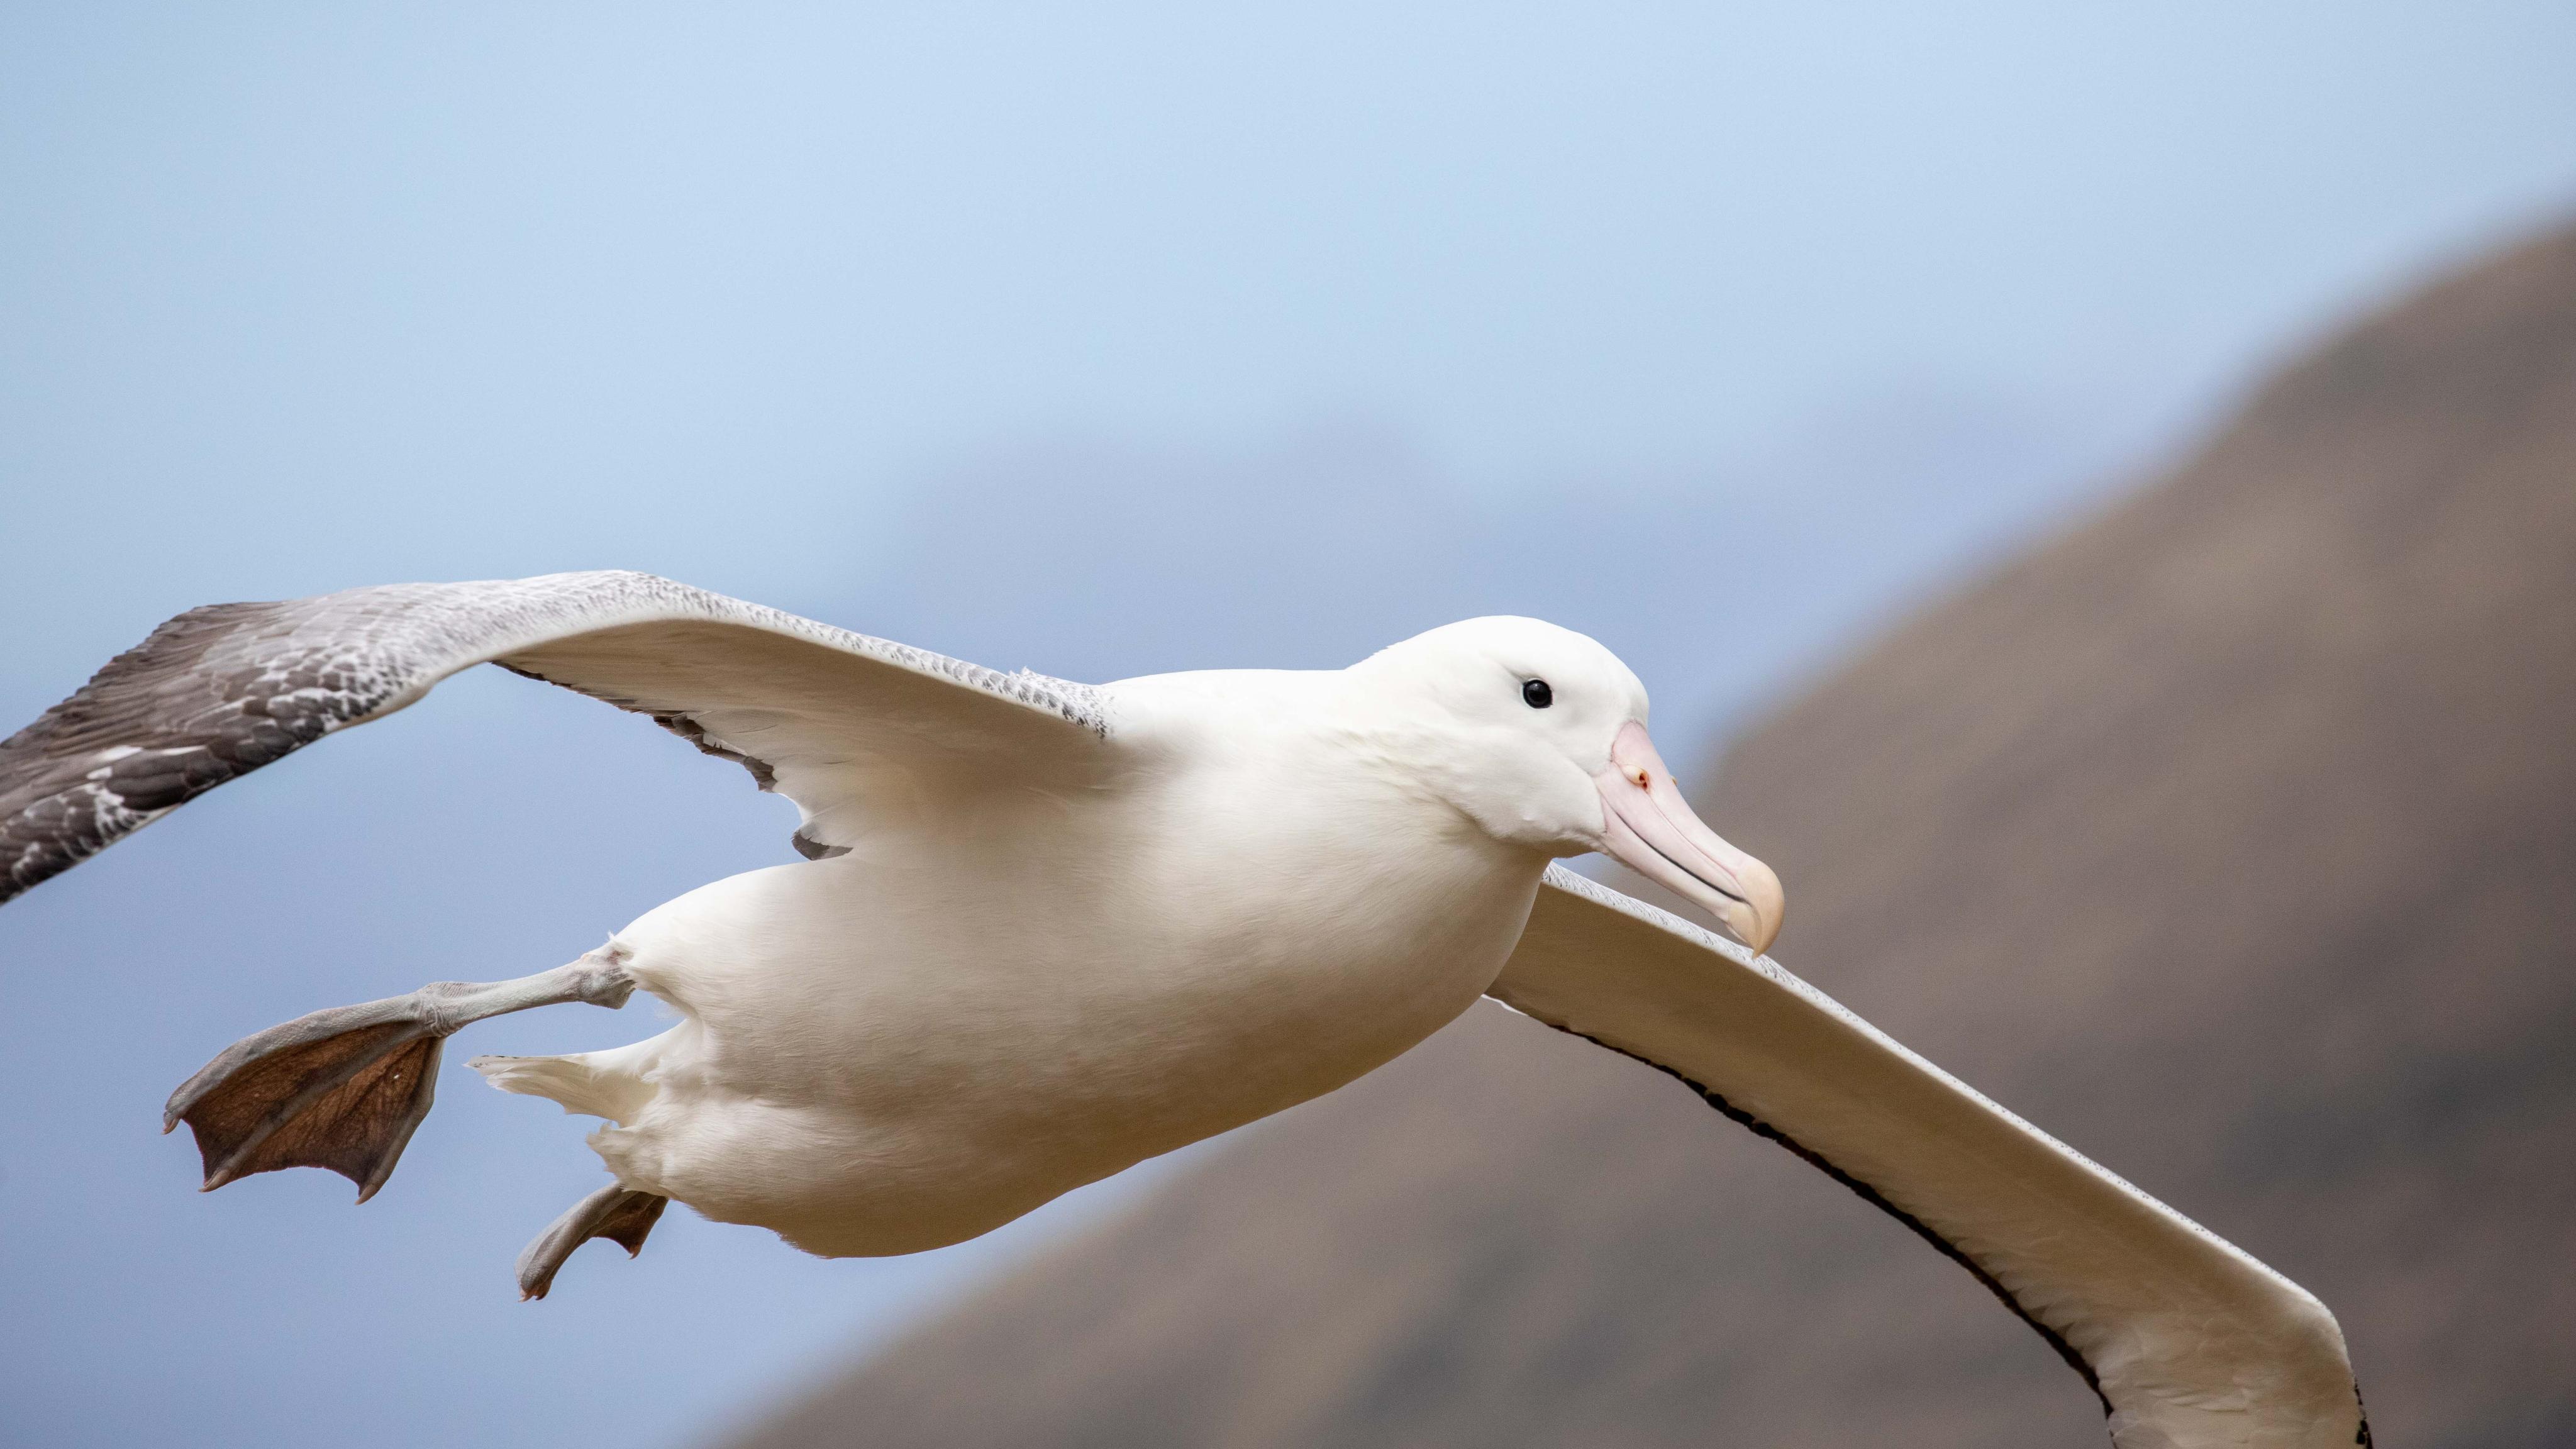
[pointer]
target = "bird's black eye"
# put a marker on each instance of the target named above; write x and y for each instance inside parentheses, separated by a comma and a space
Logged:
(1536, 693)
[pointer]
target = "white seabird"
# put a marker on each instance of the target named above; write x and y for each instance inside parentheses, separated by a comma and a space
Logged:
(1046, 930)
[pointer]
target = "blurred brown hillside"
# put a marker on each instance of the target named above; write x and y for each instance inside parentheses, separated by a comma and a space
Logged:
(2232, 837)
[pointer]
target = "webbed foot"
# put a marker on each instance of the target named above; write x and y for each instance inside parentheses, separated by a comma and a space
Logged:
(344, 1088)
(621, 1215)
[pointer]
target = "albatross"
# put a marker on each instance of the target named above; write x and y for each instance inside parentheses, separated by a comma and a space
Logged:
(1043, 930)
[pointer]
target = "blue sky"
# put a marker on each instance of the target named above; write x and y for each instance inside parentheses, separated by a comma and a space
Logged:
(1098, 340)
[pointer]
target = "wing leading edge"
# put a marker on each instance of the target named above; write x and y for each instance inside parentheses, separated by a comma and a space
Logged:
(817, 713)
(2190, 1342)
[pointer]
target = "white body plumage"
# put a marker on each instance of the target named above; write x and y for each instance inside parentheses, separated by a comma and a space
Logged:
(1007, 997)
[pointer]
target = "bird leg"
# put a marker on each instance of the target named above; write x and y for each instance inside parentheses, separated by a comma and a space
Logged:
(621, 1215)
(344, 1088)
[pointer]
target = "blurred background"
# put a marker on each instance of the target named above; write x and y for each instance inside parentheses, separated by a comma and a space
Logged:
(2099, 485)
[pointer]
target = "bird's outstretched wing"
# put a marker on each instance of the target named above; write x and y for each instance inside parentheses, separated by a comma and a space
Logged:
(2190, 1342)
(821, 715)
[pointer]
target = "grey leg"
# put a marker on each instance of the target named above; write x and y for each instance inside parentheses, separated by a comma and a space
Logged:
(621, 1215)
(344, 1088)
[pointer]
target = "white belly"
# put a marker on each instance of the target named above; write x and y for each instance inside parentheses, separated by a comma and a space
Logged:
(888, 1056)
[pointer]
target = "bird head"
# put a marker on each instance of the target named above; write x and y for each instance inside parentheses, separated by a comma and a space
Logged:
(1538, 735)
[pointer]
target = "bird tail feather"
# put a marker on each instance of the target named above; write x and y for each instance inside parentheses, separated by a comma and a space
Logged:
(611, 1084)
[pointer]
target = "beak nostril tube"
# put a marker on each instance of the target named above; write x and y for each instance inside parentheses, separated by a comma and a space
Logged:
(1648, 827)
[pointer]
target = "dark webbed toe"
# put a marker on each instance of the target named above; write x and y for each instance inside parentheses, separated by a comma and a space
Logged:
(318, 1092)
(343, 1089)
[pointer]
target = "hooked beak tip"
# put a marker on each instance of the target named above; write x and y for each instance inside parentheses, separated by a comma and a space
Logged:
(1756, 920)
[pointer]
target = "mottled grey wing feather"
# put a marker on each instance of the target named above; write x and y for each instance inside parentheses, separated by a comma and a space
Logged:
(2191, 1343)
(819, 714)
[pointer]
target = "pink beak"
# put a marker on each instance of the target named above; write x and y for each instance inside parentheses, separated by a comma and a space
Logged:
(1650, 828)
